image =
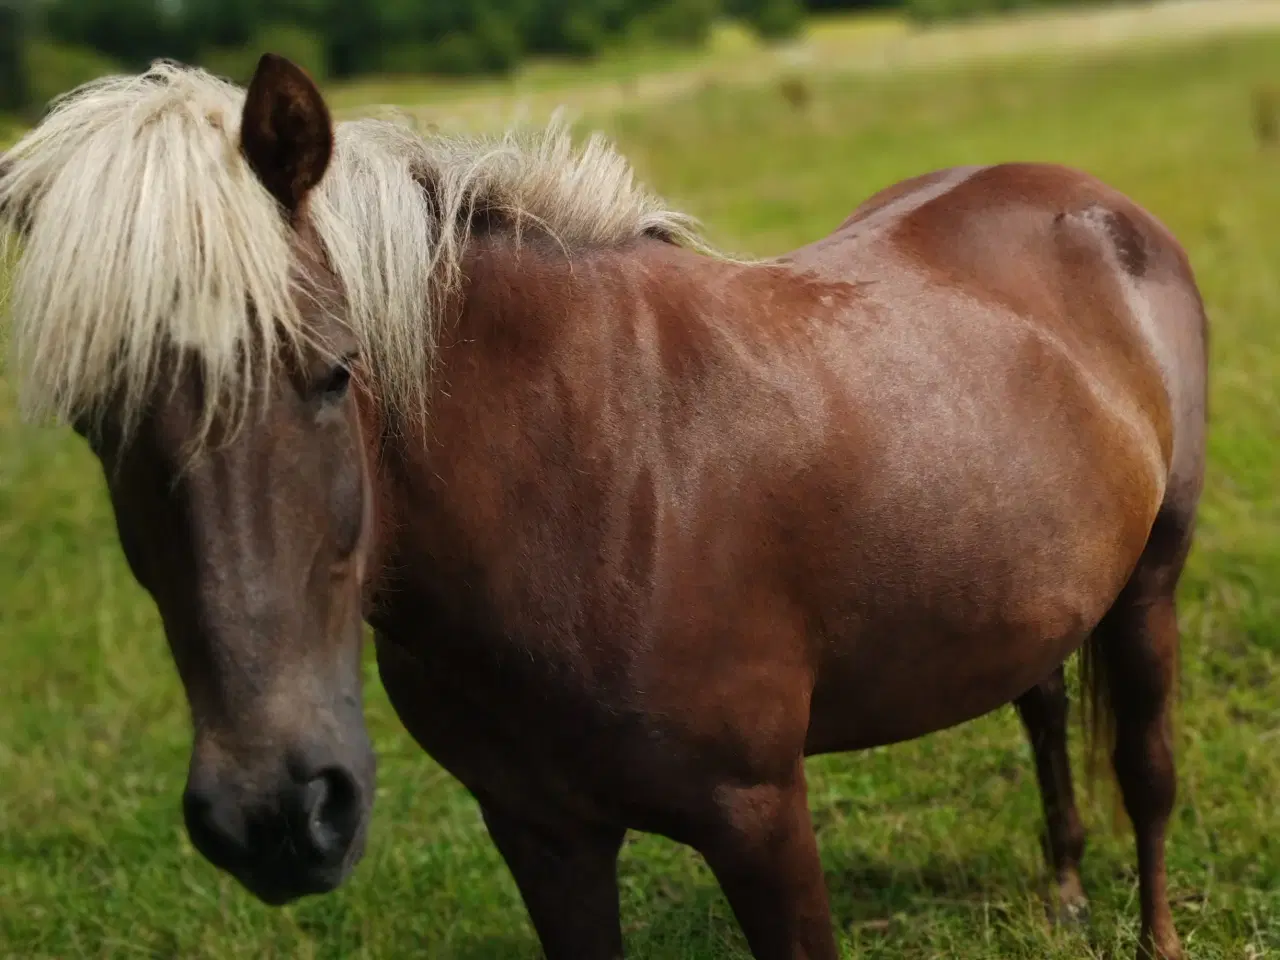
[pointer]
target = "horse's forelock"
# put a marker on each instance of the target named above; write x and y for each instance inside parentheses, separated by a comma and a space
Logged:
(144, 229)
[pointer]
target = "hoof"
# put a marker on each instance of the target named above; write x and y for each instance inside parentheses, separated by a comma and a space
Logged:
(1070, 914)
(1167, 948)
(1068, 906)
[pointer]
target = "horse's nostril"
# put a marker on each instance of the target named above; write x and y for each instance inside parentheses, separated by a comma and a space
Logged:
(331, 814)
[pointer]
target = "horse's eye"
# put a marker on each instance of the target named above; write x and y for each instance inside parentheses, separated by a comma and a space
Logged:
(339, 380)
(335, 385)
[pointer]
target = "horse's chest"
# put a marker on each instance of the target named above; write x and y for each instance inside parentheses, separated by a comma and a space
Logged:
(503, 729)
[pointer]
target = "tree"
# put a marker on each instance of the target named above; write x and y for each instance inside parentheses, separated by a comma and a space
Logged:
(771, 19)
(683, 22)
(344, 38)
(353, 36)
(14, 86)
(135, 32)
(572, 28)
(219, 23)
(850, 4)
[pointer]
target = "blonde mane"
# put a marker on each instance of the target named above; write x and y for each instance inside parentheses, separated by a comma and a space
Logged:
(145, 227)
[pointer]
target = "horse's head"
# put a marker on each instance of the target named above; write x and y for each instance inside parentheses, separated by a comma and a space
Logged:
(252, 536)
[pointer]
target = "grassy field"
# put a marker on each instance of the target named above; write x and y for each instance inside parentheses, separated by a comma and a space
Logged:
(931, 848)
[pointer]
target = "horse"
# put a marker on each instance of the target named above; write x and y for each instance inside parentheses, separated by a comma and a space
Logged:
(637, 525)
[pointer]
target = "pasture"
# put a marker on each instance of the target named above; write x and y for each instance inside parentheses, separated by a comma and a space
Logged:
(931, 848)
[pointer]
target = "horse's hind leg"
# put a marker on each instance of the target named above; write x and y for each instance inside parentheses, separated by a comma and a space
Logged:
(1043, 710)
(1136, 647)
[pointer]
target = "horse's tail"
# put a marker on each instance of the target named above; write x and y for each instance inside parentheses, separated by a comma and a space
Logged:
(1098, 722)
(1097, 715)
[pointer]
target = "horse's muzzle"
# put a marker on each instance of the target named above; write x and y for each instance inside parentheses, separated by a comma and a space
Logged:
(304, 840)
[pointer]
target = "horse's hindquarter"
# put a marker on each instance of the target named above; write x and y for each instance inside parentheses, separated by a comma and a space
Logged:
(995, 506)
(1013, 444)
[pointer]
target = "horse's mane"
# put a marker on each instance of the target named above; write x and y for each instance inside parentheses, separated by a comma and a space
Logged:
(144, 226)
(398, 215)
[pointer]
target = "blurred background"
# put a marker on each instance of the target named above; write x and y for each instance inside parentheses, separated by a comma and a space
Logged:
(48, 46)
(770, 120)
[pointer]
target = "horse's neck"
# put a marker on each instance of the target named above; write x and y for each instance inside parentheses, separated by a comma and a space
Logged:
(533, 312)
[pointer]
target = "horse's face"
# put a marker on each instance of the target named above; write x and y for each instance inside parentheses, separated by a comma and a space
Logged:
(253, 550)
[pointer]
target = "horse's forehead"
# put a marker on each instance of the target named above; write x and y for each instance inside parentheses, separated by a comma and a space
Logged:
(172, 427)
(321, 298)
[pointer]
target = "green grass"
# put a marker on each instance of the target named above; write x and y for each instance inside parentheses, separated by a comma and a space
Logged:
(931, 847)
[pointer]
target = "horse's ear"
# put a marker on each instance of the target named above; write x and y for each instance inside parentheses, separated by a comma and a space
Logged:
(286, 132)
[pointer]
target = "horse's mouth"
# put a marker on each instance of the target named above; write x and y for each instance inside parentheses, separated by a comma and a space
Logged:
(279, 879)
(279, 889)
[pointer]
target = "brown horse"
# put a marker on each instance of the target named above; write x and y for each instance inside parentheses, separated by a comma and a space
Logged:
(639, 527)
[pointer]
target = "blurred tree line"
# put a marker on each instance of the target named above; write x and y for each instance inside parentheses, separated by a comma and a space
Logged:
(47, 46)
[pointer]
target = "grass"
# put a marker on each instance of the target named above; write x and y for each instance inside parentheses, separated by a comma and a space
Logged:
(931, 847)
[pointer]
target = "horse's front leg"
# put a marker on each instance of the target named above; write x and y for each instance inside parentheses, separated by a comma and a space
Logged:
(765, 856)
(568, 878)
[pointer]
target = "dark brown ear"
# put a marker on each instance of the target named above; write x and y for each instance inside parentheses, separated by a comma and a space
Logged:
(286, 132)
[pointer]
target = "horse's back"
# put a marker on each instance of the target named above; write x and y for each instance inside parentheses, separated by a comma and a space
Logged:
(1056, 249)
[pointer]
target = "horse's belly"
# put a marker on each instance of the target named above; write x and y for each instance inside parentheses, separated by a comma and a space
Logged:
(928, 667)
(904, 699)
